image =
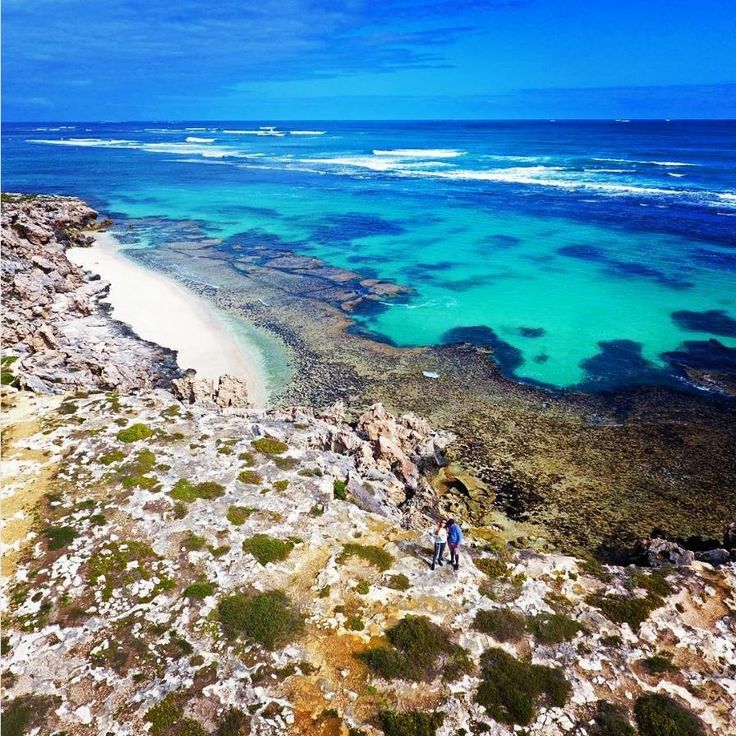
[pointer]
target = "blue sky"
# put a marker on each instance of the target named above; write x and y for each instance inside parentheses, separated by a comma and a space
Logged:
(367, 59)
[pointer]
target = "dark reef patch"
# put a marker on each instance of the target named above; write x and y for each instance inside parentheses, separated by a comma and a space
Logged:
(505, 354)
(501, 241)
(532, 332)
(615, 267)
(352, 226)
(619, 362)
(715, 321)
(703, 355)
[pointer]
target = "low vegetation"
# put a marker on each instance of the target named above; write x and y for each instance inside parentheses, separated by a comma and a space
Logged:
(184, 490)
(201, 589)
(250, 477)
(512, 690)
(60, 536)
(398, 582)
(553, 628)
(269, 446)
(501, 623)
(267, 618)
(268, 549)
(626, 610)
(420, 651)
(611, 720)
(370, 553)
(411, 723)
(238, 515)
(135, 432)
(339, 488)
(660, 715)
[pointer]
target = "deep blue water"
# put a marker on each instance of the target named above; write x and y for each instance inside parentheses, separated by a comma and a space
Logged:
(586, 254)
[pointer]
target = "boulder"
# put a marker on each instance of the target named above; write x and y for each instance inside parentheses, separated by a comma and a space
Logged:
(715, 557)
(231, 393)
(191, 389)
(729, 536)
(659, 552)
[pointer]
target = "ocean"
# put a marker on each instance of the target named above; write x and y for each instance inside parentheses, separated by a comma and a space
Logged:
(589, 255)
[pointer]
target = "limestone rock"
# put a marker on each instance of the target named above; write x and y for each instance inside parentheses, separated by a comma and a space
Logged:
(231, 393)
(193, 390)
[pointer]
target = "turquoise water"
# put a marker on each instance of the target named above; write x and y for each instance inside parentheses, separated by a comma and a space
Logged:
(588, 255)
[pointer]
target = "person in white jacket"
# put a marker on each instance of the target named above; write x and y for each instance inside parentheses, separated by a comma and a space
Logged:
(439, 537)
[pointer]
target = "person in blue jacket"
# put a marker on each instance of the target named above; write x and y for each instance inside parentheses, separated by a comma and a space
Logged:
(454, 539)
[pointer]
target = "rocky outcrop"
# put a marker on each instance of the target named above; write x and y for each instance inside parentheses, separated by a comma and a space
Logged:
(663, 552)
(230, 392)
(54, 317)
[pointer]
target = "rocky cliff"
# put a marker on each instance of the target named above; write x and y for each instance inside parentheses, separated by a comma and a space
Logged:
(177, 568)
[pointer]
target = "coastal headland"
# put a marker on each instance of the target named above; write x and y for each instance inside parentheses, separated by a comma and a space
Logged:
(182, 563)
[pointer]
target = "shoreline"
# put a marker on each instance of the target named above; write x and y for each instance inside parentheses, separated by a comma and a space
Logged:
(159, 309)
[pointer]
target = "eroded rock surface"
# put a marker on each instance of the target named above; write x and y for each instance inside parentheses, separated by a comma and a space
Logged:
(54, 318)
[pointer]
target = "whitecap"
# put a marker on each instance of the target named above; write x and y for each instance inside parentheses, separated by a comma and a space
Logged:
(677, 176)
(194, 139)
(307, 132)
(419, 152)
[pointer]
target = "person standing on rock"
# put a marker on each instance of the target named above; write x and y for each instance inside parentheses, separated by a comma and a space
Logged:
(454, 540)
(439, 536)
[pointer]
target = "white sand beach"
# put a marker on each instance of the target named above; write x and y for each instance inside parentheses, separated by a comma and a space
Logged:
(163, 311)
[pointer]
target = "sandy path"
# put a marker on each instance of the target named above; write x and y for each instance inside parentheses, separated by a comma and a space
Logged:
(163, 311)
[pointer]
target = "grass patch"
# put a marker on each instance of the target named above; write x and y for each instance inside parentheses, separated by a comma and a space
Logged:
(339, 488)
(398, 582)
(285, 463)
(653, 582)
(112, 457)
(135, 432)
(163, 715)
(660, 715)
(233, 723)
(421, 651)
(267, 549)
(310, 473)
(184, 490)
(553, 628)
(370, 553)
(194, 542)
(269, 446)
(501, 623)
(60, 536)
(238, 515)
(512, 690)
(621, 609)
(281, 485)
(363, 587)
(201, 589)
(250, 477)
(267, 618)
(411, 723)
(355, 623)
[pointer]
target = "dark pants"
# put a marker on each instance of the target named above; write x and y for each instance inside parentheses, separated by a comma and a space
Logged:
(439, 553)
(454, 555)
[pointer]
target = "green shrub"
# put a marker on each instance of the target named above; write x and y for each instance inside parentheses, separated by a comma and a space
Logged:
(492, 567)
(269, 446)
(267, 618)
(611, 720)
(199, 590)
(501, 623)
(135, 432)
(238, 515)
(281, 485)
(267, 549)
(194, 542)
(190, 727)
(355, 623)
(654, 582)
(512, 690)
(398, 582)
(422, 650)
(183, 490)
(233, 723)
(163, 715)
(553, 628)
(660, 715)
(60, 536)
(21, 715)
(658, 664)
(363, 587)
(370, 553)
(340, 490)
(112, 457)
(621, 609)
(411, 723)
(250, 477)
